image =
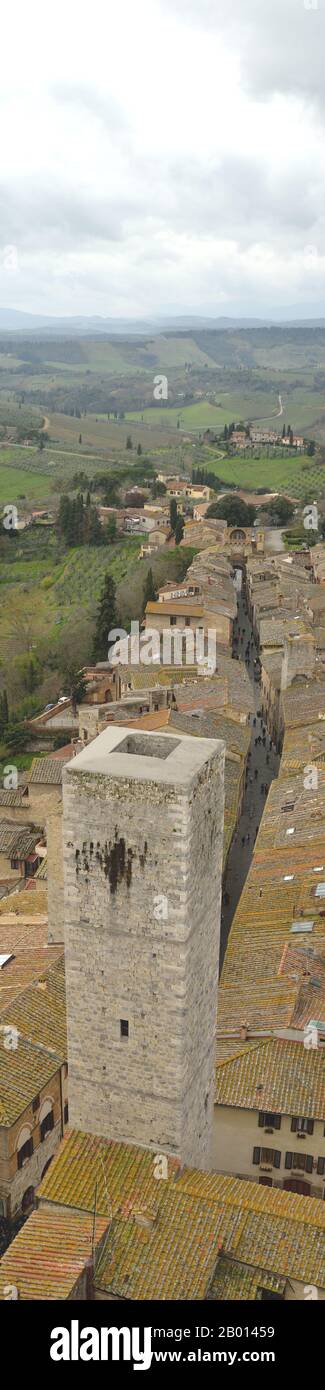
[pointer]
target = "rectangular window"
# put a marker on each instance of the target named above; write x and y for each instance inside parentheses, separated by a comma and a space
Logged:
(46, 1125)
(267, 1120)
(271, 1156)
(299, 1122)
(302, 1161)
(124, 1027)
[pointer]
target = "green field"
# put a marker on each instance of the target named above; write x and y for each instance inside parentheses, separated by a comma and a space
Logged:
(203, 415)
(15, 483)
(296, 476)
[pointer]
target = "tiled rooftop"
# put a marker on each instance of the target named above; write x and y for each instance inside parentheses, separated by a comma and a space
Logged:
(274, 1075)
(49, 1254)
(184, 1222)
(46, 771)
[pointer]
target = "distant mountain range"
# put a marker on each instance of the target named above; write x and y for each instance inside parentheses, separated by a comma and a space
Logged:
(17, 321)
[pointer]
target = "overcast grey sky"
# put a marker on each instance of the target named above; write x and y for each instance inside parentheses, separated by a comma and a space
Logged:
(163, 156)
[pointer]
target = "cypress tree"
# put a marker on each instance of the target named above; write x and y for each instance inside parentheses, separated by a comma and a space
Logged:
(149, 592)
(106, 619)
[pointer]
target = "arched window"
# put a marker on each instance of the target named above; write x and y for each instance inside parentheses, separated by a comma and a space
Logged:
(47, 1165)
(28, 1199)
(46, 1118)
(24, 1146)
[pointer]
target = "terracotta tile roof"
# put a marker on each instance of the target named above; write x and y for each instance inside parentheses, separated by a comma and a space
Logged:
(176, 1257)
(49, 1254)
(30, 963)
(302, 745)
(270, 1228)
(186, 606)
(38, 1011)
(46, 771)
(209, 724)
(279, 890)
(19, 903)
(303, 824)
(186, 1219)
(158, 719)
(274, 1075)
(146, 677)
(238, 1282)
(12, 798)
(304, 703)
(23, 1073)
(273, 630)
(41, 872)
(124, 1176)
(17, 841)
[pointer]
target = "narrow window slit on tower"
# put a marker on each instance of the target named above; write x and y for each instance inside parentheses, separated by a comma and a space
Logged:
(124, 1027)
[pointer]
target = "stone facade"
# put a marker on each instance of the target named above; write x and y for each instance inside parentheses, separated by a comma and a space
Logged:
(143, 835)
(55, 885)
(299, 658)
(14, 1181)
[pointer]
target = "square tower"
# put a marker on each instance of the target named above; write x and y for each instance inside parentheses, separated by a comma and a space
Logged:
(143, 837)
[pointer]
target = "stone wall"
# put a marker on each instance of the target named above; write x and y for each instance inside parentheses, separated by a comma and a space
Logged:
(55, 881)
(299, 658)
(143, 850)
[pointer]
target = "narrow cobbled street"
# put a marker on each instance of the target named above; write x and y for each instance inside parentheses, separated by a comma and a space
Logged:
(262, 767)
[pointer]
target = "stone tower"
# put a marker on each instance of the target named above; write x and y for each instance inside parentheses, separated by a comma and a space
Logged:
(299, 657)
(143, 835)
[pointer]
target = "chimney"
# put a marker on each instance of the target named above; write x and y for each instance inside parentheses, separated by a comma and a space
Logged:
(144, 1217)
(89, 1279)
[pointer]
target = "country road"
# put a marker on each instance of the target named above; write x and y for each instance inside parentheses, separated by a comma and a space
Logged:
(263, 419)
(274, 541)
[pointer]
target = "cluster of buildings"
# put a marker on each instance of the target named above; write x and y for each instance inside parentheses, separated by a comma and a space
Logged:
(183, 1154)
(244, 439)
(286, 602)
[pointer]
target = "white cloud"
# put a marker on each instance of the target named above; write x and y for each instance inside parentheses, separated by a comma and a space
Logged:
(163, 155)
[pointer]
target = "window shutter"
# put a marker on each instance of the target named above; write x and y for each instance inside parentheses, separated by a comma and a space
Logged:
(277, 1158)
(261, 1119)
(288, 1160)
(277, 1122)
(321, 1166)
(294, 1124)
(309, 1163)
(310, 1126)
(256, 1155)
